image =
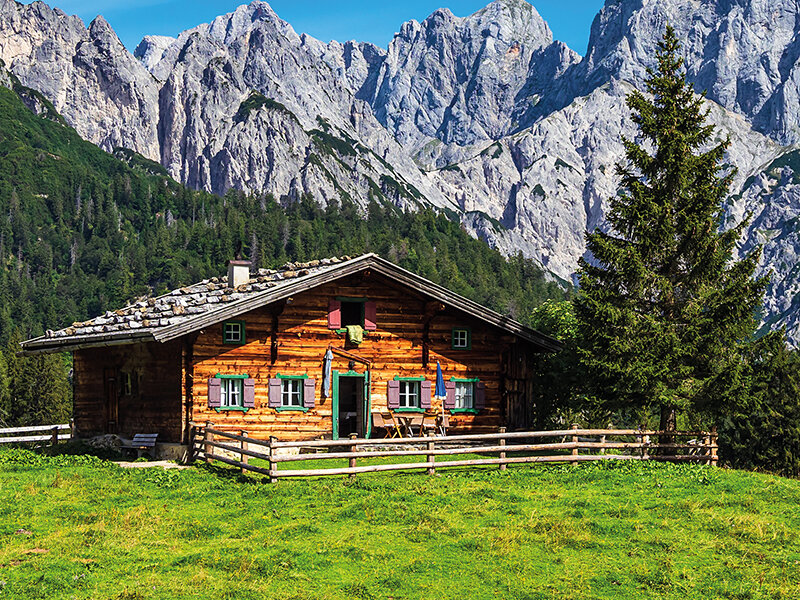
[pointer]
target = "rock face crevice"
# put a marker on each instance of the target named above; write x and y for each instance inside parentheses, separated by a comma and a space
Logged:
(485, 115)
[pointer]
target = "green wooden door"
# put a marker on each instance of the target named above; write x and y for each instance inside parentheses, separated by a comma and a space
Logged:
(347, 410)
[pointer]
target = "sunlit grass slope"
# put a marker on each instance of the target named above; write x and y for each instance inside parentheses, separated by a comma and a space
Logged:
(637, 531)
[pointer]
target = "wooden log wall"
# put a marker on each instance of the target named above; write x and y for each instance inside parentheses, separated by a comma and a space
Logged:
(519, 402)
(408, 328)
(154, 406)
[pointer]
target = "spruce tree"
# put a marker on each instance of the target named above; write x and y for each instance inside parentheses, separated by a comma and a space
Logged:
(663, 308)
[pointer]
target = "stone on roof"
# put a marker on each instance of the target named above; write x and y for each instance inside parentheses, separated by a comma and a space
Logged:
(176, 306)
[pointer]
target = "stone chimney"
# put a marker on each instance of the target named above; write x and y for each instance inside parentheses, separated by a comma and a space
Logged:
(238, 273)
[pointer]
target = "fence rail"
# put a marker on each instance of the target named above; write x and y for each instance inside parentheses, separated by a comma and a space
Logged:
(49, 433)
(572, 445)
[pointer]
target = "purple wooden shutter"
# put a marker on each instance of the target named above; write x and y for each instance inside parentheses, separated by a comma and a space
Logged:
(214, 393)
(370, 316)
(274, 393)
(393, 394)
(450, 397)
(334, 314)
(480, 395)
(249, 393)
(425, 394)
(308, 392)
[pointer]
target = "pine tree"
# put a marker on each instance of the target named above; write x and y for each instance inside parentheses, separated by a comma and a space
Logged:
(763, 431)
(663, 307)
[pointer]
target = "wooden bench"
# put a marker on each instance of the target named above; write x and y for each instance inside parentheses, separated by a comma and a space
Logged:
(142, 442)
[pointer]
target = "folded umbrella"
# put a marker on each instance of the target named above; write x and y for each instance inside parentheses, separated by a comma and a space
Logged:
(440, 393)
(326, 374)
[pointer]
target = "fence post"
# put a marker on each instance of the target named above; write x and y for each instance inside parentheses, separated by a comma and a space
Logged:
(192, 442)
(353, 448)
(244, 446)
(645, 449)
(72, 429)
(603, 442)
(431, 457)
(209, 437)
(575, 440)
(713, 437)
(640, 440)
(503, 465)
(273, 464)
(54, 436)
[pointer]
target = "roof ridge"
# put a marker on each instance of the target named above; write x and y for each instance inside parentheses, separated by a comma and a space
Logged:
(185, 309)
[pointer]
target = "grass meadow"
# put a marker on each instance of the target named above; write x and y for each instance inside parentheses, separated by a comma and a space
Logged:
(80, 527)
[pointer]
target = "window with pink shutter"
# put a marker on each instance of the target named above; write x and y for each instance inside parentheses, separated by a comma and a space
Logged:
(292, 393)
(231, 392)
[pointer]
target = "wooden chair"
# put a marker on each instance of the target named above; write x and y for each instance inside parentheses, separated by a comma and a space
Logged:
(142, 442)
(390, 428)
(429, 423)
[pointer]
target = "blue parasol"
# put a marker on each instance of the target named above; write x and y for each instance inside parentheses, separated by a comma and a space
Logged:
(441, 392)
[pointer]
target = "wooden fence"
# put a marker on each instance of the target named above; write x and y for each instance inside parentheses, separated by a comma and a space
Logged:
(504, 448)
(36, 433)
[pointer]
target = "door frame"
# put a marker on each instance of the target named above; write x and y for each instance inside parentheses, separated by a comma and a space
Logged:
(366, 424)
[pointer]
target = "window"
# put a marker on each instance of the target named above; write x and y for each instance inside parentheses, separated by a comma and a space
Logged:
(233, 332)
(462, 339)
(129, 383)
(352, 313)
(409, 394)
(292, 392)
(465, 395)
(126, 382)
(231, 393)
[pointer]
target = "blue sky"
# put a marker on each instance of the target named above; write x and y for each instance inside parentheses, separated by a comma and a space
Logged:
(363, 20)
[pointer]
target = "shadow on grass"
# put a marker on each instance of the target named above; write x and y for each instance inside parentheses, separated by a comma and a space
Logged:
(79, 448)
(230, 474)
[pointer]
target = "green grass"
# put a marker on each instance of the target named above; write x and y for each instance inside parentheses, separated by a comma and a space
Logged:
(616, 531)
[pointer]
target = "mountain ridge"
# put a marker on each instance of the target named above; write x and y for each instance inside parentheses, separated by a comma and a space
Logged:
(485, 117)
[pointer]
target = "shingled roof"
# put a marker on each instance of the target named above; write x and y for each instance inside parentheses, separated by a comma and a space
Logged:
(210, 301)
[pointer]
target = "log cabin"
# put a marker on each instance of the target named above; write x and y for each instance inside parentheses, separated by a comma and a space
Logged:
(308, 351)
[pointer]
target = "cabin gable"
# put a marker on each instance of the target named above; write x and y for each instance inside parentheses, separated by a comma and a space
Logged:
(409, 334)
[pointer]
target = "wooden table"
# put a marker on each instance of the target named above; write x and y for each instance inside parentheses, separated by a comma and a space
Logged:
(408, 422)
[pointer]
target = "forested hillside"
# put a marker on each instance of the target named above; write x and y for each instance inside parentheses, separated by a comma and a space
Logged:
(82, 231)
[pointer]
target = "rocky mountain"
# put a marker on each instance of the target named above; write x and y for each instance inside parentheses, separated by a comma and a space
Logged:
(486, 116)
(744, 53)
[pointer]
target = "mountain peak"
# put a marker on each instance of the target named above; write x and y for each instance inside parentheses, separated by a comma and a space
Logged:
(233, 25)
(152, 48)
(513, 20)
(99, 27)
